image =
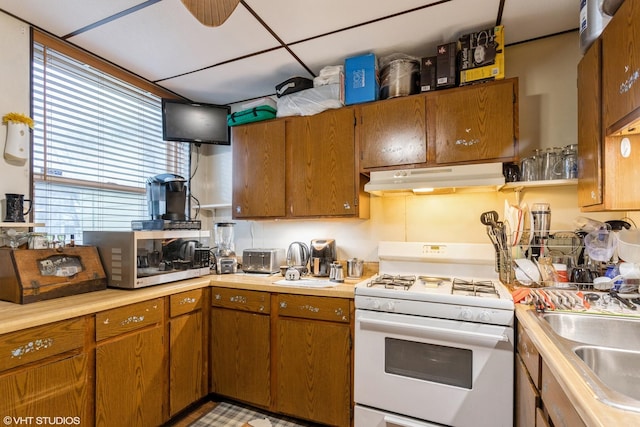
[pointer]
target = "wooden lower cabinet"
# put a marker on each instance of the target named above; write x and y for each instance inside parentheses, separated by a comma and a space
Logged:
(290, 354)
(313, 380)
(240, 355)
(45, 375)
(187, 357)
(131, 366)
(540, 400)
(313, 354)
(241, 345)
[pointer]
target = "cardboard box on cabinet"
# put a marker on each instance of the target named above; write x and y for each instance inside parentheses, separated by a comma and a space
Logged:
(428, 74)
(361, 81)
(482, 55)
(446, 65)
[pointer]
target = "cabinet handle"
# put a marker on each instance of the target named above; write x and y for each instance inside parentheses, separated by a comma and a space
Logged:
(187, 300)
(31, 346)
(627, 84)
(238, 298)
(346, 206)
(468, 143)
(132, 319)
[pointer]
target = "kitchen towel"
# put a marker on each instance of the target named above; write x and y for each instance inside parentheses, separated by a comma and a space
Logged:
(227, 414)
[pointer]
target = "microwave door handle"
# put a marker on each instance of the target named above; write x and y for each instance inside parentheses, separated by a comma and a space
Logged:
(428, 331)
(402, 422)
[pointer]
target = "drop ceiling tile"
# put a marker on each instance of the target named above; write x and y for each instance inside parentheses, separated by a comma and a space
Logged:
(526, 20)
(165, 40)
(298, 20)
(238, 81)
(61, 17)
(416, 34)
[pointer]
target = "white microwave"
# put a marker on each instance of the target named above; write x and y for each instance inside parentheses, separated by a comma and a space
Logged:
(137, 259)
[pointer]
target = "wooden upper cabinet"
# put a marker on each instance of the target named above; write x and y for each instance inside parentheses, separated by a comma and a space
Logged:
(474, 124)
(258, 152)
(590, 134)
(393, 132)
(621, 67)
(321, 164)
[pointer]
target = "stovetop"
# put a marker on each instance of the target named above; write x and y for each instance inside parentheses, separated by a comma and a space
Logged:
(421, 283)
(456, 281)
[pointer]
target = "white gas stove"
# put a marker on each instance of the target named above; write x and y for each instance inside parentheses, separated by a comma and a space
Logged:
(445, 280)
(434, 339)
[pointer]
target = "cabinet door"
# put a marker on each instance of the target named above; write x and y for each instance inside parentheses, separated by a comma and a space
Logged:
(590, 133)
(57, 389)
(393, 133)
(621, 65)
(130, 380)
(314, 376)
(474, 124)
(186, 368)
(240, 355)
(258, 152)
(527, 397)
(560, 409)
(321, 173)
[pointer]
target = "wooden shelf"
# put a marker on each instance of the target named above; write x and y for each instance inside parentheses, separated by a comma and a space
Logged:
(519, 185)
(20, 224)
(216, 206)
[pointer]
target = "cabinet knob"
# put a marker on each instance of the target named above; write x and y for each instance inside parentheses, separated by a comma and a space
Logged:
(347, 206)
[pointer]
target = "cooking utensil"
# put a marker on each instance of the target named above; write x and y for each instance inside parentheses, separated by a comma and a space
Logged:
(624, 301)
(489, 218)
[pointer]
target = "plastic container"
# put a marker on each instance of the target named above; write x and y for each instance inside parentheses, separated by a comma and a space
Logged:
(629, 245)
(601, 244)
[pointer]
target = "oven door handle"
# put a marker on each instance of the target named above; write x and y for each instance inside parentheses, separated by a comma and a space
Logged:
(428, 331)
(402, 422)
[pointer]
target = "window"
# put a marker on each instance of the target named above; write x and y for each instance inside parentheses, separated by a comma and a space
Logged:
(97, 140)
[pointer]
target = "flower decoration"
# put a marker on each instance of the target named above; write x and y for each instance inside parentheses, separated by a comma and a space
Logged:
(18, 118)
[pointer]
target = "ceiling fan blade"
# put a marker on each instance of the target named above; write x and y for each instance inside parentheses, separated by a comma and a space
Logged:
(211, 13)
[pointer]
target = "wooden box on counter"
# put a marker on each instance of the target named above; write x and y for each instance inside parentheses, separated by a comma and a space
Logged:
(31, 275)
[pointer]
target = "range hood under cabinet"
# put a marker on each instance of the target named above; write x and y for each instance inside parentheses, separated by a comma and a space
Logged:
(437, 180)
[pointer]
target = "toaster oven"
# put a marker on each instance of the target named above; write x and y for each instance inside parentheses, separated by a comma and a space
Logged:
(136, 259)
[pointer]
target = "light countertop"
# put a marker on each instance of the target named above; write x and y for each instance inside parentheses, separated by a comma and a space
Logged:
(14, 317)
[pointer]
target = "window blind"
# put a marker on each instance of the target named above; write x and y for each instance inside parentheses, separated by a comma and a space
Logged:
(97, 140)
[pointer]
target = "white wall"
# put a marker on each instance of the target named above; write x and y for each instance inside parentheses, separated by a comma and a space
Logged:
(14, 87)
(547, 72)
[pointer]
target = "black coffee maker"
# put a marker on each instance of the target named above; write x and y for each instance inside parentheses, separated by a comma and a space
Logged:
(167, 197)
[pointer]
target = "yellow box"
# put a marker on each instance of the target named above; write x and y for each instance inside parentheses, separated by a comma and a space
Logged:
(481, 55)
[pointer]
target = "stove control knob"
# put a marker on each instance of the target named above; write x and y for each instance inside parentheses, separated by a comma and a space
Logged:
(485, 317)
(466, 314)
(375, 304)
(391, 306)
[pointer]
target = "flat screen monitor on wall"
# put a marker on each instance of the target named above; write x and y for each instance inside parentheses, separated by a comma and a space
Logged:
(194, 123)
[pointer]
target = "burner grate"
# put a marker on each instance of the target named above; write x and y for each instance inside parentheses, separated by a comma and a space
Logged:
(475, 288)
(392, 282)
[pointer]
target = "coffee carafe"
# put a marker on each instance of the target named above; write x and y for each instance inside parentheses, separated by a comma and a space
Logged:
(225, 252)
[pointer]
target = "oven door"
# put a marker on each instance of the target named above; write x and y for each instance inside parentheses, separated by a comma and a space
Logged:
(443, 371)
